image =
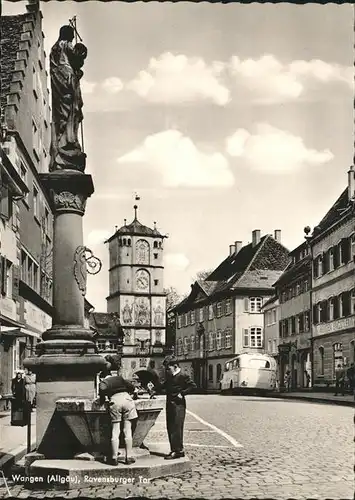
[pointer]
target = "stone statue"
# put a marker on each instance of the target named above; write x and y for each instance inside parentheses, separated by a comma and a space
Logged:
(66, 61)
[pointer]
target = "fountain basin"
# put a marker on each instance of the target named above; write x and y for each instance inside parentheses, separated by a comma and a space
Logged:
(86, 425)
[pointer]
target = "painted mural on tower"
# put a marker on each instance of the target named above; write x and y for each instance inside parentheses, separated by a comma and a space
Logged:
(142, 311)
(142, 252)
(127, 311)
(158, 308)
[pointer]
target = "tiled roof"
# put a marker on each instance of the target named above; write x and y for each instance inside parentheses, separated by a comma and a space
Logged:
(300, 268)
(104, 325)
(11, 29)
(268, 257)
(207, 286)
(236, 264)
(253, 267)
(334, 214)
(138, 229)
(270, 301)
(257, 279)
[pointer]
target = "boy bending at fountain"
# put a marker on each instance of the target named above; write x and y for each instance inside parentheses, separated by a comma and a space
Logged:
(117, 391)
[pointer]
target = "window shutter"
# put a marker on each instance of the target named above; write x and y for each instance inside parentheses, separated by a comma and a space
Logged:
(325, 310)
(345, 250)
(15, 282)
(293, 322)
(246, 337)
(4, 202)
(315, 268)
(325, 263)
(336, 308)
(315, 314)
(246, 304)
(3, 275)
(336, 258)
(346, 303)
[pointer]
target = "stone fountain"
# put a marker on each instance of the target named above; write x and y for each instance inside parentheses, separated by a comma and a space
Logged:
(72, 430)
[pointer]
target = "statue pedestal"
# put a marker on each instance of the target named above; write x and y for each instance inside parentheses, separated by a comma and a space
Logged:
(66, 361)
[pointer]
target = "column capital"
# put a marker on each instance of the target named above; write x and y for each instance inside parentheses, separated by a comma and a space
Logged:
(68, 190)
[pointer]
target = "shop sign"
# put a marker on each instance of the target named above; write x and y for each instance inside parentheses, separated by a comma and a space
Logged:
(8, 308)
(334, 326)
(36, 318)
(284, 348)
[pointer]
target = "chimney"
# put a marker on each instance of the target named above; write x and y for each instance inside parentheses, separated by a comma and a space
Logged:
(255, 237)
(277, 235)
(231, 249)
(351, 183)
(238, 246)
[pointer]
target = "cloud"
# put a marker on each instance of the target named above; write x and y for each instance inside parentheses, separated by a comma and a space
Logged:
(272, 150)
(87, 87)
(177, 261)
(98, 236)
(179, 162)
(269, 81)
(112, 85)
(177, 78)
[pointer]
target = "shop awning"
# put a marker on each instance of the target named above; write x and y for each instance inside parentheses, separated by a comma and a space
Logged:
(18, 332)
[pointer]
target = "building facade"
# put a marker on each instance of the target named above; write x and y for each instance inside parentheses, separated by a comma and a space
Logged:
(293, 290)
(271, 311)
(136, 293)
(222, 316)
(333, 293)
(26, 225)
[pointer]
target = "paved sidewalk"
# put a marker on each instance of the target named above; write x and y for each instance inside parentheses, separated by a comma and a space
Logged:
(13, 440)
(321, 397)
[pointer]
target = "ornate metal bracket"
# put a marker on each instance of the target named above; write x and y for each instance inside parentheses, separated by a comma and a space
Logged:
(85, 262)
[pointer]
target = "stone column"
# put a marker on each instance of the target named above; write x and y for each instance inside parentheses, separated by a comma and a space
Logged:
(66, 361)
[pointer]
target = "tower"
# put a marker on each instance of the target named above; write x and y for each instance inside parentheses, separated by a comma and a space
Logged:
(136, 293)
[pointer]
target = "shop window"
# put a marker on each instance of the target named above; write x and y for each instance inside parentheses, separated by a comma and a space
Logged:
(210, 373)
(321, 360)
(219, 372)
(338, 360)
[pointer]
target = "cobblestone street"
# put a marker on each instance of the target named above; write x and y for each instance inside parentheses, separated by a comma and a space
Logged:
(249, 447)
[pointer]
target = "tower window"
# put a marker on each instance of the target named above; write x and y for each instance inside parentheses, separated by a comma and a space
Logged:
(124, 241)
(155, 244)
(156, 282)
(155, 256)
(129, 242)
(159, 244)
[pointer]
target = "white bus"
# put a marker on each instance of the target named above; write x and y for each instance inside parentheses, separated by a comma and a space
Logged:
(249, 372)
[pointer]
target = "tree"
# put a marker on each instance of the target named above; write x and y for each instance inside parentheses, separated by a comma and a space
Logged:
(172, 297)
(202, 275)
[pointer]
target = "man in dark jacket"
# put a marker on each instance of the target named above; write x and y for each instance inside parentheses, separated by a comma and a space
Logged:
(176, 385)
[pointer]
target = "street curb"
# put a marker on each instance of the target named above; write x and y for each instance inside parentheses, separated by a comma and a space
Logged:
(338, 402)
(13, 456)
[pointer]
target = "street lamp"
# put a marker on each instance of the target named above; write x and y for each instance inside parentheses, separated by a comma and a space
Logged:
(201, 332)
(308, 238)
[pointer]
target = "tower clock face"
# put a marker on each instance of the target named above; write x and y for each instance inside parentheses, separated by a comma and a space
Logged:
(142, 281)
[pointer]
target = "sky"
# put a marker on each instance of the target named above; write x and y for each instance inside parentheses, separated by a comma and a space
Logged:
(224, 118)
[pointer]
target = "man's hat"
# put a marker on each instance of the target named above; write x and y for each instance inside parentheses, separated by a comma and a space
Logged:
(169, 360)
